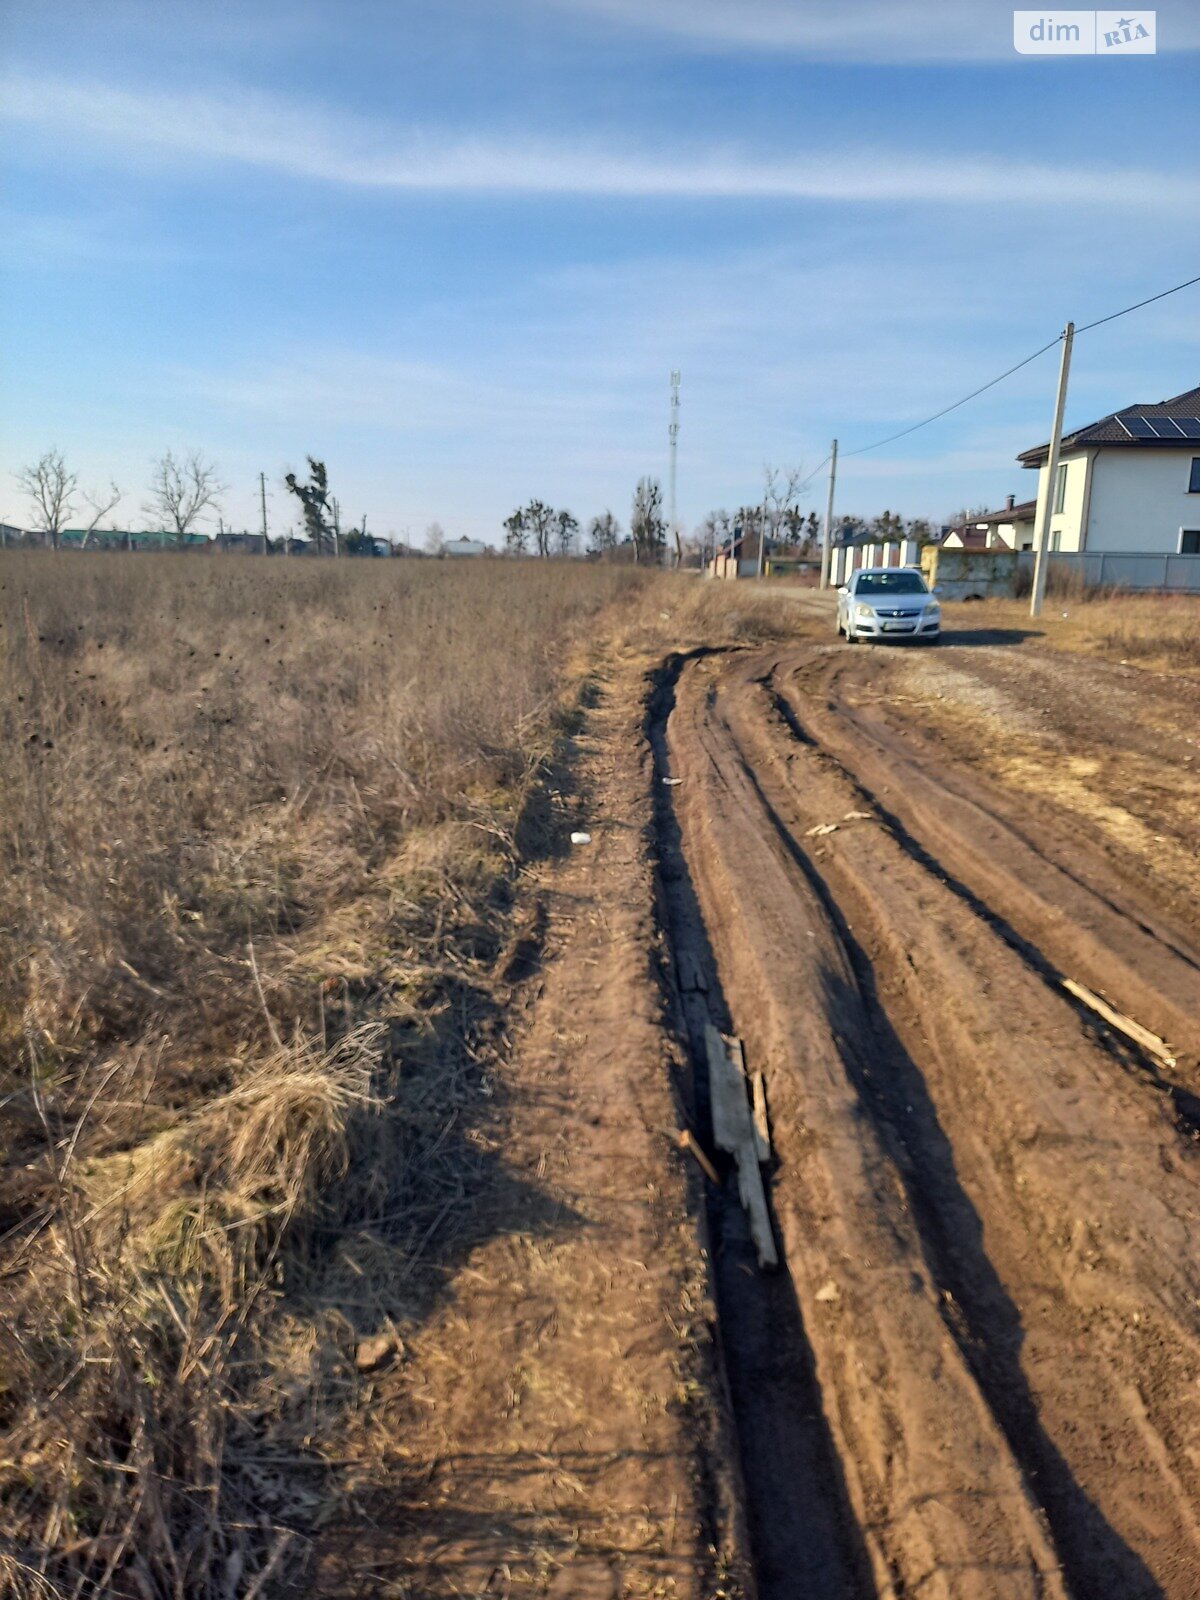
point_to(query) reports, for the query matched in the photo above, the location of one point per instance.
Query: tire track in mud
(922, 1470)
(1105, 969)
(1111, 1359)
(805, 1541)
(1057, 882)
(979, 1313)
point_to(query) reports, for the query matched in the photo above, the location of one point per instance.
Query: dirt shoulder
(550, 1429)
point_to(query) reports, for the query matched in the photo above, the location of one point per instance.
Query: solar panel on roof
(1188, 426)
(1166, 427)
(1137, 427)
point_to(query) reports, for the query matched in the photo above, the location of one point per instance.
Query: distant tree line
(183, 491)
(537, 529)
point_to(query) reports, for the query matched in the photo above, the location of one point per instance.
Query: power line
(991, 384)
(1137, 306)
(813, 473)
(946, 410)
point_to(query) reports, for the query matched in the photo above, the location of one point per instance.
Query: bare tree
(715, 531)
(539, 518)
(604, 533)
(567, 527)
(182, 491)
(780, 491)
(435, 539)
(647, 525)
(51, 488)
(516, 533)
(99, 505)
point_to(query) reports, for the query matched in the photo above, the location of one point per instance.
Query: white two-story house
(1130, 482)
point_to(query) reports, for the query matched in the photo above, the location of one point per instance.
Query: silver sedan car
(888, 603)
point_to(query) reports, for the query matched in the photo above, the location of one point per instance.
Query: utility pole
(337, 524)
(262, 489)
(674, 437)
(762, 541)
(1043, 534)
(827, 547)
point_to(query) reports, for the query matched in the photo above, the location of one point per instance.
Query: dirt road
(976, 1375)
(979, 1373)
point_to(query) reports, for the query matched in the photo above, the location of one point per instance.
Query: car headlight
(864, 613)
(933, 609)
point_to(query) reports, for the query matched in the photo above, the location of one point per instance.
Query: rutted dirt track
(978, 1373)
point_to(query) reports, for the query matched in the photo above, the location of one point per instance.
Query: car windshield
(891, 583)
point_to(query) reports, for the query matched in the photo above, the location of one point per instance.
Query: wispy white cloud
(880, 31)
(77, 238)
(279, 136)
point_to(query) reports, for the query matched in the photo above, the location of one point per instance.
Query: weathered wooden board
(734, 1131)
(1123, 1024)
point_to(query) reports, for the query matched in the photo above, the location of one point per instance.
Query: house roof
(974, 532)
(1024, 512)
(1108, 430)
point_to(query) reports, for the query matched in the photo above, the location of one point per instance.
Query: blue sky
(455, 247)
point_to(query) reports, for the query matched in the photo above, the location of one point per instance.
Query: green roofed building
(126, 539)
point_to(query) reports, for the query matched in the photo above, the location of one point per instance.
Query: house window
(1056, 539)
(1060, 487)
(1189, 542)
(1194, 480)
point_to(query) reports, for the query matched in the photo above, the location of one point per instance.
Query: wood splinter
(689, 1142)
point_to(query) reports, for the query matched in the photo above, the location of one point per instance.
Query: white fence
(848, 558)
(1112, 569)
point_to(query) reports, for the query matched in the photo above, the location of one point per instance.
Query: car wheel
(851, 636)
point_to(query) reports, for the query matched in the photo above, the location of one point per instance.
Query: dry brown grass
(688, 611)
(1160, 631)
(1163, 630)
(258, 822)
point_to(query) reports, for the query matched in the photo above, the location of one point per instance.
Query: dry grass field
(1157, 630)
(258, 824)
(275, 839)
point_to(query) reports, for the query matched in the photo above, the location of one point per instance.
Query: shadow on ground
(988, 636)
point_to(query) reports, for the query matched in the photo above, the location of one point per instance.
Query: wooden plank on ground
(754, 1199)
(1123, 1024)
(733, 1130)
(727, 1095)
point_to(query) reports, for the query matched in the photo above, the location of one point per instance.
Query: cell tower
(674, 435)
